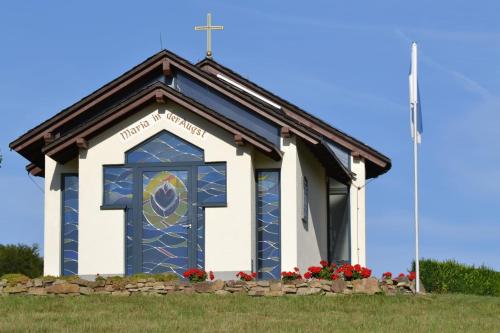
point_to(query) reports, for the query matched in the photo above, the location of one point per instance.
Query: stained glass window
(268, 224)
(305, 200)
(118, 183)
(165, 221)
(212, 184)
(165, 147)
(70, 224)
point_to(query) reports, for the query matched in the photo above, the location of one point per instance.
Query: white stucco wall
(102, 232)
(311, 237)
(230, 231)
(357, 205)
(53, 214)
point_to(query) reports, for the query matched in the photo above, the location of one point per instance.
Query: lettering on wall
(151, 120)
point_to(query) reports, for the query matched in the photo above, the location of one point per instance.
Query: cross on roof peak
(209, 27)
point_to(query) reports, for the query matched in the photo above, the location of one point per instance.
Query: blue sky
(346, 62)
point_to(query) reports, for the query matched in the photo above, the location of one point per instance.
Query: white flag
(415, 95)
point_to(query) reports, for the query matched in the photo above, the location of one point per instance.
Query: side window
(305, 200)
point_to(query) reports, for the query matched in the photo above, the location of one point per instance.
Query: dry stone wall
(151, 286)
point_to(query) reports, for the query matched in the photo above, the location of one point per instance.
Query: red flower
(254, 275)
(323, 263)
(335, 276)
(314, 269)
(357, 268)
(348, 274)
(212, 276)
(412, 276)
(296, 269)
(366, 273)
(401, 275)
(307, 275)
(387, 275)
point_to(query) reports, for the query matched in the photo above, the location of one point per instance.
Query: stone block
(15, 289)
(338, 286)
(263, 283)
(63, 288)
(258, 292)
(217, 285)
(366, 286)
(222, 292)
(301, 285)
(308, 291)
(59, 281)
(38, 283)
(275, 286)
(37, 291)
(86, 290)
(3, 283)
(289, 289)
(315, 283)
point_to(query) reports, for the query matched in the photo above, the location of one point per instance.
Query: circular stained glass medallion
(165, 198)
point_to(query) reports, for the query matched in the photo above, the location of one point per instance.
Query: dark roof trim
(118, 113)
(34, 170)
(87, 102)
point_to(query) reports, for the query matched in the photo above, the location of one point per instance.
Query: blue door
(167, 223)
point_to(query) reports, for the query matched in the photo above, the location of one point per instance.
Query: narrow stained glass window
(212, 184)
(268, 224)
(70, 224)
(165, 147)
(117, 186)
(305, 201)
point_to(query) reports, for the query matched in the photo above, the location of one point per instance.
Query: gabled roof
(358, 148)
(63, 134)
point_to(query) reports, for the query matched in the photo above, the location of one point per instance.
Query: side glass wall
(268, 201)
(69, 246)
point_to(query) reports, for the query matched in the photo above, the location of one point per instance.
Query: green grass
(211, 313)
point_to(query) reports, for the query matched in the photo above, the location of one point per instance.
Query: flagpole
(415, 165)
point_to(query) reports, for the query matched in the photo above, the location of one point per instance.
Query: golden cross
(209, 27)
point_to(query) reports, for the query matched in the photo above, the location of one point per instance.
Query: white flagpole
(414, 107)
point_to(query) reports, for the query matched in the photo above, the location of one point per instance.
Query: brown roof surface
(123, 88)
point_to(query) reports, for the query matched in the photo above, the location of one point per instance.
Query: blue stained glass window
(118, 184)
(200, 245)
(165, 147)
(268, 224)
(70, 224)
(129, 242)
(212, 184)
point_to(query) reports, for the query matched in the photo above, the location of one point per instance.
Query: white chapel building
(175, 165)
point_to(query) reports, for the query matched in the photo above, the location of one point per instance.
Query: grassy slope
(210, 313)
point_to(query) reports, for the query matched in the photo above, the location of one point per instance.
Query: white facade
(230, 232)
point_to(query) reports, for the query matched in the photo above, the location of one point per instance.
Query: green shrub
(14, 278)
(21, 259)
(453, 277)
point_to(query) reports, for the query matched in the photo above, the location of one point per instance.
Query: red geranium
(315, 269)
(212, 276)
(348, 274)
(387, 275)
(246, 277)
(366, 273)
(195, 275)
(401, 275)
(412, 276)
(307, 275)
(291, 276)
(323, 263)
(335, 276)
